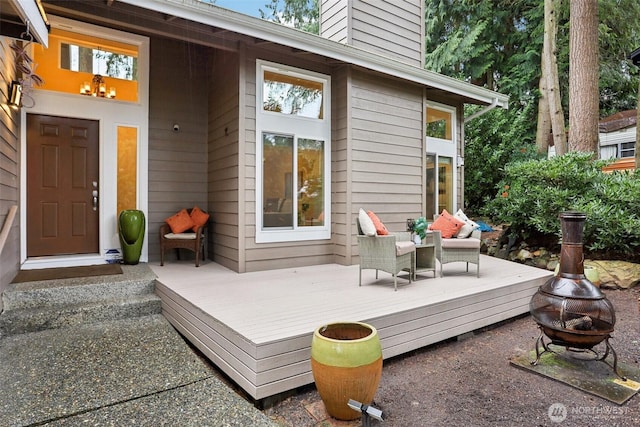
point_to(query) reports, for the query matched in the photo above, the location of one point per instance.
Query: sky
(248, 7)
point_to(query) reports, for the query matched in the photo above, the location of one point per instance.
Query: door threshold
(34, 263)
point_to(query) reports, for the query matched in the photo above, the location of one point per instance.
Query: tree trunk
(544, 116)
(638, 132)
(583, 76)
(551, 73)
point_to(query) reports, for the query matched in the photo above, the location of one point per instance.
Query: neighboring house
(280, 135)
(617, 139)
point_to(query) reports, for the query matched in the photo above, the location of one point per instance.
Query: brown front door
(62, 175)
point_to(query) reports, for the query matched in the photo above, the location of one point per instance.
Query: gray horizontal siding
(340, 168)
(334, 20)
(177, 160)
(386, 149)
(392, 28)
(224, 153)
(9, 169)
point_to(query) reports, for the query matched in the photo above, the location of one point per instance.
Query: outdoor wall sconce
(15, 94)
(97, 88)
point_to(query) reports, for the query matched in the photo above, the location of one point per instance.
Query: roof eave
(32, 14)
(211, 15)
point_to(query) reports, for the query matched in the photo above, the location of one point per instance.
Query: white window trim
(299, 127)
(444, 148)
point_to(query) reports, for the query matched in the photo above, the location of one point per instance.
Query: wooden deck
(257, 327)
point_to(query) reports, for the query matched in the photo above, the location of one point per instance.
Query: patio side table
(425, 257)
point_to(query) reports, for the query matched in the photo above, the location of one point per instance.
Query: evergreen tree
(507, 38)
(300, 14)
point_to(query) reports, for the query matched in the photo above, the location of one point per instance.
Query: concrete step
(26, 320)
(135, 280)
(53, 304)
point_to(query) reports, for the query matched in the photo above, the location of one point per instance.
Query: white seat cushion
(404, 248)
(181, 236)
(468, 243)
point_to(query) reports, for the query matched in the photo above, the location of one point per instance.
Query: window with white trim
(441, 150)
(293, 147)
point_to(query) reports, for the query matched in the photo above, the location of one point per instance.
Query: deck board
(257, 327)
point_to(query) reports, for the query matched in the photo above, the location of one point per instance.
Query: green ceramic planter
(131, 227)
(346, 361)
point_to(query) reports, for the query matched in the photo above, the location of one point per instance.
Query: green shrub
(491, 141)
(535, 192)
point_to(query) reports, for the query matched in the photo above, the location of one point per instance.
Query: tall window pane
(277, 178)
(431, 187)
(445, 184)
(311, 183)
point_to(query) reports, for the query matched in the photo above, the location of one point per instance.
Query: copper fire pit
(570, 310)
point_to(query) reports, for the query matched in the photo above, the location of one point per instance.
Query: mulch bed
(471, 382)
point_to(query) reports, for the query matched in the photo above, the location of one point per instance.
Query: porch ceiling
(206, 24)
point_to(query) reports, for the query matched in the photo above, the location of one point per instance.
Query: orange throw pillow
(180, 222)
(381, 230)
(447, 225)
(199, 217)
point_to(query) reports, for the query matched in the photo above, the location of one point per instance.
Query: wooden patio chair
(193, 241)
(392, 253)
(458, 250)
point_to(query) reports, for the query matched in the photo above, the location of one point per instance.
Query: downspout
(485, 110)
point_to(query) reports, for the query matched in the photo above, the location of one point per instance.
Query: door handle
(94, 193)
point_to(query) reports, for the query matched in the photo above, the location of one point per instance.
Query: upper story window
(84, 64)
(290, 94)
(98, 60)
(439, 123)
(293, 132)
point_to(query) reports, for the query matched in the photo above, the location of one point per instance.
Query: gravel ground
(470, 382)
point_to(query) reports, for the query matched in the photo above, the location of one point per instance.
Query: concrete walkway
(135, 372)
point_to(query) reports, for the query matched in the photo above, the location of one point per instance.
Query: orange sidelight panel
(127, 168)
